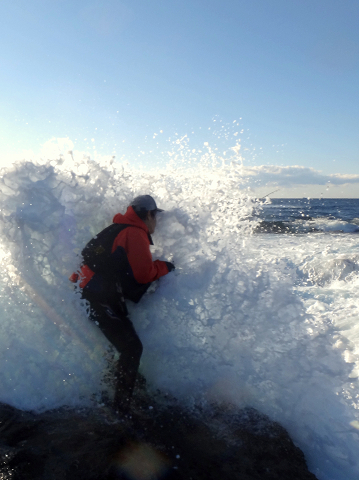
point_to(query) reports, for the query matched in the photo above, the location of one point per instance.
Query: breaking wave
(240, 320)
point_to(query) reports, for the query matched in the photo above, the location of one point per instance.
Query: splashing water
(250, 319)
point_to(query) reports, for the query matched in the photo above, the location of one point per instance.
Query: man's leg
(118, 329)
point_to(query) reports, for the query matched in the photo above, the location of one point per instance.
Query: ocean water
(310, 215)
(262, 309)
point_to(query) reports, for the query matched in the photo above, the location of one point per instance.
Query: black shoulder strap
(97, 251)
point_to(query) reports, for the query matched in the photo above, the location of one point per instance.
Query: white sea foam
(329, 225)
(251, 319)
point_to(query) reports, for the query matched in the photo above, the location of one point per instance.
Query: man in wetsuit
(118, 265)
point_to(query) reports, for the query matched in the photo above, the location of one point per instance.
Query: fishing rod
(264, 196)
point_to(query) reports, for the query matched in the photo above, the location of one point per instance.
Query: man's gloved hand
(170, 266)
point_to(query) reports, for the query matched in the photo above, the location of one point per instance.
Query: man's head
(145, 207)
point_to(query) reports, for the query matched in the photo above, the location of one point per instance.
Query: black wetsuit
(112, 318)
(119, 255)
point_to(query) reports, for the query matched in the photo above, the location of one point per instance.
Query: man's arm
(137, 247)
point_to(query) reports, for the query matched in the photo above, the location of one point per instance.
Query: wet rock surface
(156, 440)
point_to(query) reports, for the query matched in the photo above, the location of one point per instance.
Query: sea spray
(50, 209)
(237, 321)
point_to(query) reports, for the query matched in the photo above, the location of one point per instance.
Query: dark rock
(156, 440)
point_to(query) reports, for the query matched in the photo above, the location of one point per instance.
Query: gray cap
(144, 202)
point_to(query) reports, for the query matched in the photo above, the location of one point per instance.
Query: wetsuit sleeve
(137, 247)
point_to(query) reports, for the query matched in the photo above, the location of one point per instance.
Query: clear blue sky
(122, 70)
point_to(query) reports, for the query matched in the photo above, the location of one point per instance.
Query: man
(118, 265)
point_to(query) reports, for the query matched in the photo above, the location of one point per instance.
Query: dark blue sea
(299, 216)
